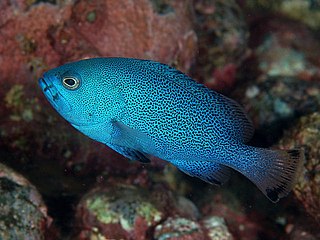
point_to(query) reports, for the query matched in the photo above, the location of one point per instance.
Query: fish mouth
(43, 84)
(53, 96)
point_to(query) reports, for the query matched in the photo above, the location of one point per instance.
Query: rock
(223, 36)
(281, 48)
(280, 80)
(24, 36)
(126, 211)
(158, 30)
(307, 12)
(178, 229)
(276, 59)
(37, 36)
(219, 213)
(306, 133)
(304, 11)
(216, 228)
(298, 233)
(277, 101)
(23, 214)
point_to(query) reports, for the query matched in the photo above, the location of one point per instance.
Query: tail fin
(281, 172)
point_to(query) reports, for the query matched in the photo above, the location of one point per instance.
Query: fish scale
(142, 108)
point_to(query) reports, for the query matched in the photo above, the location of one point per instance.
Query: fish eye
(71, 83)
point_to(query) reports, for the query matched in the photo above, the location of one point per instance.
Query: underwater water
(57, 183)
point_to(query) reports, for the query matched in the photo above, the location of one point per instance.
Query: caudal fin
(281, 172)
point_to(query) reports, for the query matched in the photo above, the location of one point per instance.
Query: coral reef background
(264, 54)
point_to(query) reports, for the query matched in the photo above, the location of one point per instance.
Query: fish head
(72, 90)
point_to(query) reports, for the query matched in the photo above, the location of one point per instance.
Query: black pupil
(70, 81)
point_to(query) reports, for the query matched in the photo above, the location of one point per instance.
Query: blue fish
(142, 108)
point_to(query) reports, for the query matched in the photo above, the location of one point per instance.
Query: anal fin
(210, 172)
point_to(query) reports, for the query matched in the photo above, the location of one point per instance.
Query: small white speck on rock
(252, 91)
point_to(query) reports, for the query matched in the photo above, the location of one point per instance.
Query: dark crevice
(162, 7)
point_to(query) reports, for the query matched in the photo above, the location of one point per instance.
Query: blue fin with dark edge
(131, 153)
(283, 176)
(131, 143)
(275, 171)
(210, 172)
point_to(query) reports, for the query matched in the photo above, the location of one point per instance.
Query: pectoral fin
(131, 143)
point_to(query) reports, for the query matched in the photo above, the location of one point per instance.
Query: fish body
(142, 108)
